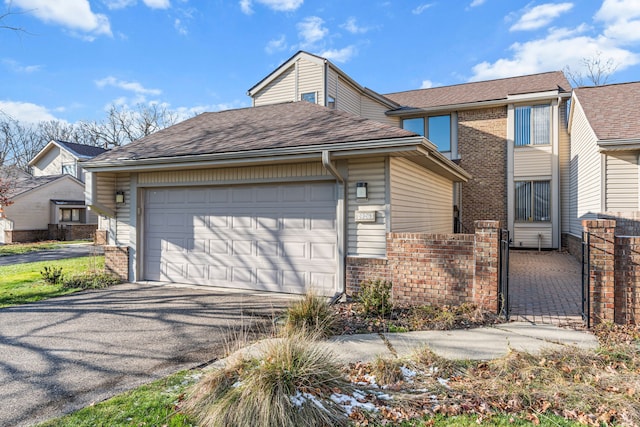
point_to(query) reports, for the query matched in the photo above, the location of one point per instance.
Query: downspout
(341, 221)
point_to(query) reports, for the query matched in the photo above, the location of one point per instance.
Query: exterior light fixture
(361, 191)
(119, 196)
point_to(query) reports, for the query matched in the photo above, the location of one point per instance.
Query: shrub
(387, 371)
(310, 315)
(90, 281)
(52, 275)
(286, 386)
(375, 297)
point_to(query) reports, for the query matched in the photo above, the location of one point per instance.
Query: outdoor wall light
(361, 190)
(119, 196)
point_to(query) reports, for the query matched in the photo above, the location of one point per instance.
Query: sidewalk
(483, 343)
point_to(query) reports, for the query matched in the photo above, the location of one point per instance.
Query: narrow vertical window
(440, 131)
(533, 125)
(414, 125)
(532, 201)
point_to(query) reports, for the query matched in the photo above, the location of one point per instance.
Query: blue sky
(77, 57)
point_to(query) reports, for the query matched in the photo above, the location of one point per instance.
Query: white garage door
(267, 237)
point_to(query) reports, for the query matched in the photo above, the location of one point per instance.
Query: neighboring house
(49, 204)
(605, 145)
(509, 134)
(38, 203)
(275, 197)
(62, 158)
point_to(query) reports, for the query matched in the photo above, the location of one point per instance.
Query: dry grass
(311, 315)
(287, 386)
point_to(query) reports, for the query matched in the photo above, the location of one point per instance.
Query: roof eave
(632, 144)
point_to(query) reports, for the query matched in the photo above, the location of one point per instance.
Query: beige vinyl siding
(532, 161)
(421, 201)
(105, 189)
(310, 79)
(526, 235)
(282, 89)
(564, 153)
(367, 239)
(51, 162)
(622, 182)
(375, 111)
(586, 175)
(348, 98)
(123, 211)
(5, 224)
(332, 82)
(32, 210)
(234, 175)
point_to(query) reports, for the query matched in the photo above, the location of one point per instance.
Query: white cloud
(17, 67)
(276, 45)
(418, 10)
(352, 27)
(476, 3)
(277, 5)
(561, 47)
(157, 4)
(622, 20)
(119, 4)
(73, 14)
(180, 27)
(311, 30)
(26, 112)
(540, 16)
(426, 84)
(339, 55)
(134, 87)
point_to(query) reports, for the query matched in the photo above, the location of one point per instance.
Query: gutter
(341, 221)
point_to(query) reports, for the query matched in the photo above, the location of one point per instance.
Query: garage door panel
(271, 237)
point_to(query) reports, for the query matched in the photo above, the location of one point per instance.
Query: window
(440, 131)
(533, 201)
(533, 125)
(414, 125)
(69, 169)
(331, 102)
(309, 97)
(70, 215)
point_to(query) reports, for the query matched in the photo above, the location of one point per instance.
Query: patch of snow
(407, 373)
(300, 398)
(444, 382)
(349, 403)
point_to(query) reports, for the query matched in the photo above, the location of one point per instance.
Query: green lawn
(22, 283)
(23, 248)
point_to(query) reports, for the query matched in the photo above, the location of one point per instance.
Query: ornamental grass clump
(289, 385)
(89, 281)
(375, 297)
(312, 315)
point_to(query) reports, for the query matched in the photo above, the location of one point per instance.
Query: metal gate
(586, 278)
(503, 292)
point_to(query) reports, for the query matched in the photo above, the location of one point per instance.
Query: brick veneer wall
(24, 236)
(116, 261)
(601, 269)
(482, 145)
(100, 237)
(627, 223)
(436, 268)
(627, 280)
(72, 231)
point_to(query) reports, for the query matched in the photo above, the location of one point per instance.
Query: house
(49, 203)
(605, 145)
(274, 197)
(509, 134)
(62, 157)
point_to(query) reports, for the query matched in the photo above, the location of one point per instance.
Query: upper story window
(309, 97)
(331, 102)
(69, 169)
(533, 125)
(437, 129)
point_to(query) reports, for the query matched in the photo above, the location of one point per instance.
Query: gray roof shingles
(21, 182)
(82, 150)
(490, 90)
(295, 124)
(612, 110)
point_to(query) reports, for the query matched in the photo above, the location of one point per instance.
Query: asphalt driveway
(62, 354)
(65, 251)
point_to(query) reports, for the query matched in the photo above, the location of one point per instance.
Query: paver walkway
(545, 287)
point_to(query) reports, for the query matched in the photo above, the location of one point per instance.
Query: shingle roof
(82, 150)
(489, 90)
(612, 109)
(21, 182)
(295, 124)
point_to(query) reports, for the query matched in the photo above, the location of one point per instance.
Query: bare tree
(3, 18)
(595, 70)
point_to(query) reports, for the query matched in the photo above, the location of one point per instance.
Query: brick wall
(627, 223)
(100, 237)
(24, 236)
(72, 231)
(116, 261)
(601, 269)
(436, 268)
(573, 245)
(627, 280)
(482, 145)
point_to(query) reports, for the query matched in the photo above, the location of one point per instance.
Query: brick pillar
(116, 261)
(487, 252)
(601, 269)
(627, 280)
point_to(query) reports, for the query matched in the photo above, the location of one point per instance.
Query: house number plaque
(365, 216)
